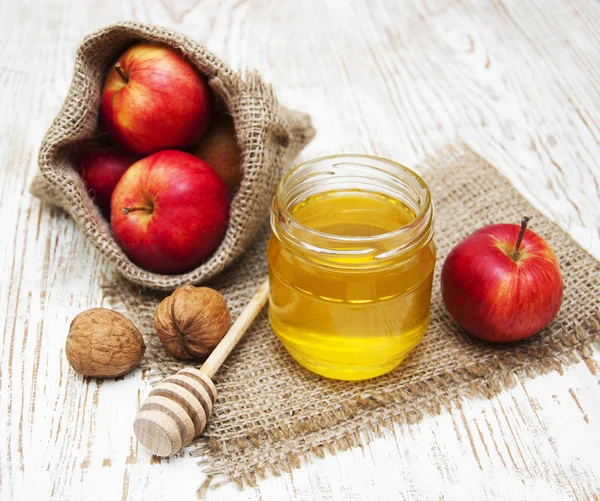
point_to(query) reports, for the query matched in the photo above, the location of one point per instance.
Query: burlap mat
(269, 136)
(271, 414)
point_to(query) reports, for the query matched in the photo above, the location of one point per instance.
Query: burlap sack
(269, 136)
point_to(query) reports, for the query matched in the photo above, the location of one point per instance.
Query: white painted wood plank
(516, 80)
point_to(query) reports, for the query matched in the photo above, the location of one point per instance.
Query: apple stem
(127, 210)
(524, 223)
(121, 73)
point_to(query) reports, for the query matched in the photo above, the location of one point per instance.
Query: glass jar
(351, 260)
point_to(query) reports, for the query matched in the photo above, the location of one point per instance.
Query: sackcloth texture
(271, 414)
(269, 136)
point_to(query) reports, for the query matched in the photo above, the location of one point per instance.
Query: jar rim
(420, 217)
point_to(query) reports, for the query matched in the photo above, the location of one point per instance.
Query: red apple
(219, 148)
(502, 283)
(153, 99)
(101, 171)
(169, 212)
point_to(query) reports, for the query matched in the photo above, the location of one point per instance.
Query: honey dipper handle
(237, 330)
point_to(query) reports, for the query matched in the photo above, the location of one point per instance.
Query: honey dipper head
(175, 412)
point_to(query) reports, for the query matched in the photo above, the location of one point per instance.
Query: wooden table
(518, 80)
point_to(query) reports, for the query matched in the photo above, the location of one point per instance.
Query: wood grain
(519, 81)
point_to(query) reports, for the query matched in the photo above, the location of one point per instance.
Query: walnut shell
(103, 343)
(192, 321)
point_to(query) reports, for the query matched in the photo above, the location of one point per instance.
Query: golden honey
(351, 261)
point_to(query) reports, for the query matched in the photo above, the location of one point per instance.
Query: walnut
(192, 321)
(103, 343)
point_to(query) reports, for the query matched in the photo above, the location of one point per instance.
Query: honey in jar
(351, 261)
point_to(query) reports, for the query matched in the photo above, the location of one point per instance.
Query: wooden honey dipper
(178, 408)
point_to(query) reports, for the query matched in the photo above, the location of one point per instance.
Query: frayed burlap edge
(270, 136)
(481, 380)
